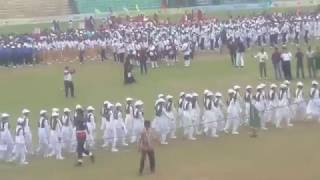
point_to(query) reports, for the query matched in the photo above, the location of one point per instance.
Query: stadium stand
(33, 8)
(91, 6)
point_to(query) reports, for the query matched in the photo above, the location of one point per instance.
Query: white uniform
(55, 138)
(43, 136)
(6, 140)
(121, 130)
(27, 133)
(196, 114)
(210, 118)
(170, 113)
(129, 119)
(314, 104)
(233, 116)
(299, 105)
(91, 124)
(161, 123)
(109, 130)
(20, 148)
(188, 124)
(66, 132)
(138, 124)
(283, 113)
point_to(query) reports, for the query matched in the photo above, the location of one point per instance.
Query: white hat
(259, 86)
(78, 106)
(54, 114)
(138, 103)
(283, 86)
(160, 95)
(110, 105)
(249, 87)
(42, 112)
(55, 110)
(90, 108)
(236, 87)
(262, 85)
(4, 115)
(66, 110)
(206, 91)
(20, 120)
(314, 82)
(195, 95)
(210, 93)
(118, 104)
(169, 97)
(188, 96)
(273, 86)
(299, 84)
(231, 91)
(24, 111)
(106, 102)
(182, 94)
(286, 82)
(218, 94)
(129, 99)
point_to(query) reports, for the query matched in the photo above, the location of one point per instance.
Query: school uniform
(67, 132)
(43, 136)
(55, 138)
(6, 140)
(160, 122)
(20, 148)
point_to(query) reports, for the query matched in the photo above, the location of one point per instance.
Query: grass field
(277, 154)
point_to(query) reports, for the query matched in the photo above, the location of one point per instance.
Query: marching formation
(211, 115)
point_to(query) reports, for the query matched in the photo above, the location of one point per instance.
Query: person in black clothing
(128, 76)
(142, 55)
(299, 56)
(232, 52)
(81, 133)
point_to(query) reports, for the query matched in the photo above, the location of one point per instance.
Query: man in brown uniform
(146, 148)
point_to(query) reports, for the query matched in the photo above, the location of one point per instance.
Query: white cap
(160, 96)
(206, 91)
(66, 110)
(118, 104)
(182, 94)
(129, 99)
(262, 85)
(273, 86)
(231, 91)
(110, 105)
(248, 87)
(210, 93)
(218, 94)
(78, 106)
(106, 102)
(90, 108)
(286, 82)
(283, 86)
(299, 84)
(138, 103)
(188, 96)
(42, 112)
(236, 87)
(195, 95)
(4, 115)
(24, 111)
(259, 86)
(55, 110)
(54, 114)
(169, 97)
(314, 82)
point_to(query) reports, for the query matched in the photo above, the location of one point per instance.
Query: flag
(137, 8)
(254, 119)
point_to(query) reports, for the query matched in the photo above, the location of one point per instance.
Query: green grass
(277, 154)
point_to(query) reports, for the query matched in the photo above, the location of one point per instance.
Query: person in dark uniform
(80, 124)
(300, 68)
(142, 54)
(146, 147)
(128, 76)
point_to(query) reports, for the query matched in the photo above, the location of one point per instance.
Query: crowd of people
(211, 115)
(154, 41)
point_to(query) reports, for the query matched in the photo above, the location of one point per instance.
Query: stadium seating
(33, 8)
(91, 6)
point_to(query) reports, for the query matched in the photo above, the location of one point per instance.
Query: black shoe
(92, 158)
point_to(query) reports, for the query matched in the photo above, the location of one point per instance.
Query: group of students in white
(56, 133)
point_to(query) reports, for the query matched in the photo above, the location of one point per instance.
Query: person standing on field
(262, 56)
(286, 63)
(68, 83)
(300, 56)
(277, 64)
(146, 148)
(311, 63)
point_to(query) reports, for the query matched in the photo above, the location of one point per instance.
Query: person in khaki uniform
(146, 148)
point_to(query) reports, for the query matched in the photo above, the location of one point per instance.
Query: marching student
(43, 134)
(129, 116)
(67, 130)
(186, 52)
(299, 103)
(247, 99)
(260, 104)
(196, 113)
(283, 108)
(160, 122)
(138, 120)
(233, 115)
(170, 113)
(109, 129)
(209, 116)
(6, 140)
(181, 103)
(313, 104)
(121, 130)
(80, 124)
(55, 136)
(220, 108)
(20, 148)
(255, 119)
(91, 124)
(272, 104)
(24, 119)
(187, 123)
(239, 101)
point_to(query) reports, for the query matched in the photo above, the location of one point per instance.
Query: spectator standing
(311, 63)
(68, 83)
(286, 57)
(277, 64)
(300, 56)
(262, 56)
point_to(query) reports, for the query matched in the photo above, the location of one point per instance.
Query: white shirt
(67, 75)
(262, 56)
(286, 56)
